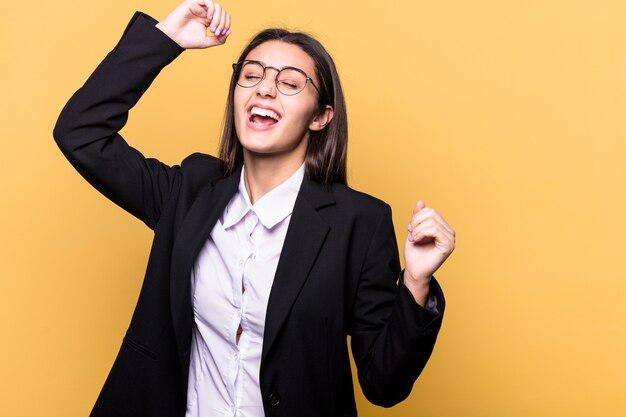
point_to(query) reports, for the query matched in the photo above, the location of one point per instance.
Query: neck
(262, 175)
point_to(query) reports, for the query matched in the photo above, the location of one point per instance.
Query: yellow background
(508, 117)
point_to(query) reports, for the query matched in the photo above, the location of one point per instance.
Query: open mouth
(263, 117)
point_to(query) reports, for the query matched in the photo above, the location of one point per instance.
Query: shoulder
(358, 201)
(203, 164)
(361, 221)
(198, 169)
(342, 205)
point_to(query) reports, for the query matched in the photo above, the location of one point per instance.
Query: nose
(267, 86)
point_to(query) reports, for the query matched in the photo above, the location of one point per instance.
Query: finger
(220, 37)
(422, 215)
(210, 9)
(428, 212)
(418, 219)
(425, 228)
(432, 231)
(437, 242)
(420, 230)
(440, 222)
(225, 32)
(227, 26)
(198, 9)
(441, 237)
(209, 5)
(220, 27)
(217, 15)
(419, 206)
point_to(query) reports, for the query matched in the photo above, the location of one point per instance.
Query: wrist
(417, 279)
(418, 286)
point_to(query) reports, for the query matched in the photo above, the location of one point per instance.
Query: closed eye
(289, 85)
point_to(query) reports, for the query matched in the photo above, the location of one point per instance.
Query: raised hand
(430, 240)
(188, 23)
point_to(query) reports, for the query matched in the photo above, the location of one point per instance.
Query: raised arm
(87, 129)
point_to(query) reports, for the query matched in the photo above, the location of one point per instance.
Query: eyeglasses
(289, 80)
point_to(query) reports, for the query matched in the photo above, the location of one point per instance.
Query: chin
(255, 145)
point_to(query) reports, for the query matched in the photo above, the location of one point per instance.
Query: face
(270, 124)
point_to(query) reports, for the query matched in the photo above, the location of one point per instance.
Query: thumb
(210, 41)
(419, 206)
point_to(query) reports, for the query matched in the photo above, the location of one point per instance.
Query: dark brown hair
(325, 160)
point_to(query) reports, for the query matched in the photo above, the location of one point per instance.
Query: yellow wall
(509, 117)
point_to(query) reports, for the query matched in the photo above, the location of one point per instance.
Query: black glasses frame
(237, 69)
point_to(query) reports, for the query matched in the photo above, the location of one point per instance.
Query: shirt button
(274, 399)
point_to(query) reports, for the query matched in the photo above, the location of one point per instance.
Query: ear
(322, 119)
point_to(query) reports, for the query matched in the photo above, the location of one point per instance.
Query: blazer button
(274, 399)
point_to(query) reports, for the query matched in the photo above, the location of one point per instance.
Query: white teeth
(265, 112)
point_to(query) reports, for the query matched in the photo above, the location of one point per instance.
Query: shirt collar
(271, 209)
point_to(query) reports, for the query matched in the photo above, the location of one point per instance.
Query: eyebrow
(278, 68)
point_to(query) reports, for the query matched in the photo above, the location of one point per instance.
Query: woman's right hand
(188, 23)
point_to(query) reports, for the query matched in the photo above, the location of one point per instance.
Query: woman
(263, 261)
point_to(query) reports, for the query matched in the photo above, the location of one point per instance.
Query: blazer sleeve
(87, 129)
(392, 336)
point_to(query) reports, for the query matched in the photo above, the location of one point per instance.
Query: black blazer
(337, 274)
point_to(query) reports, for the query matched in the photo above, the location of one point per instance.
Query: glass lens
(291, 81)
(250, 75)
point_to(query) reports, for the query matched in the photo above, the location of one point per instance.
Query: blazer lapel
(305, 237)
(193, 233)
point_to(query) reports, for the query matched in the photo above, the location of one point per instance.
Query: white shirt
(230, 284)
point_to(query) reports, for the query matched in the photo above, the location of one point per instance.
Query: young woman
(263, 260)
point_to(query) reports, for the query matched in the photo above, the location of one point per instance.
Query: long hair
(325, 159)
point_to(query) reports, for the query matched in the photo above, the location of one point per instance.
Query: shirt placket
(247, 253)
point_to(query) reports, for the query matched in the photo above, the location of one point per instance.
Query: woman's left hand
(430, 240)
